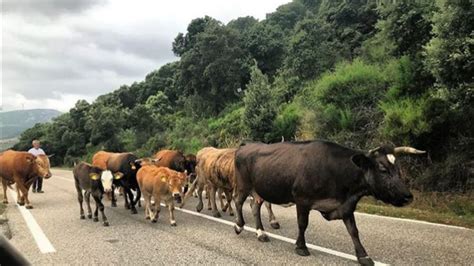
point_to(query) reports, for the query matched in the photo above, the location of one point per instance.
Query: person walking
(36, 150)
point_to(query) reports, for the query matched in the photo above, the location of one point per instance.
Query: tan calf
(161, 183)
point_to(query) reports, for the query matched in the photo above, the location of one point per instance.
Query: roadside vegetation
(360, 73)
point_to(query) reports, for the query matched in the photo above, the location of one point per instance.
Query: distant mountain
(12, 123)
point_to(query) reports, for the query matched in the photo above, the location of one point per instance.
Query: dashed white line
(41, 240)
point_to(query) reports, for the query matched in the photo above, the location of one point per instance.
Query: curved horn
(407, 150)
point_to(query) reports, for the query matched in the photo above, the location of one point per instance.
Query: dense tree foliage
(360, 73)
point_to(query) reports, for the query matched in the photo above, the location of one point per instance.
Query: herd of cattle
(313, 175)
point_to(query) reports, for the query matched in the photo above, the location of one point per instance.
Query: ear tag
(94, 176)
(117, 176)
(163, 179)
(391, 158)
(134, 167)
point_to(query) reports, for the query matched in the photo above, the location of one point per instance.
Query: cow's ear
(118, 175)
(94, 176)
(362, 161)
(30, 160)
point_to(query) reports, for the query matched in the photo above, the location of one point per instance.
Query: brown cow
(22, 168)
(216, 170)
(100, 159)
(161, 183)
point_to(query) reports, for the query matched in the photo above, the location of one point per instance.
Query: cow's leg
(99, 205)
(212, 198)
(5, 186)
(87, 194)
(261, 236)
(171, 210)
(221, 191)
(80, 199)
(147, 200)
(302, 212)
(190, 192)
(128, 192)
(228, 197)
(361, 254)
(239, 199)
(138, 197)
(96, 212)
(24, 197)
(200, 204)
(208, 196)
(271, 216)
(113, 200)
(156, 214)
(126, 197)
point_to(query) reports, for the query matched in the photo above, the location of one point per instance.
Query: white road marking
(279, 237)
(412, 221)
(42, 241)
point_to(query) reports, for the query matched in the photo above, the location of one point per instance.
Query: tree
(211, 72)
(260, 108)
(183, 43)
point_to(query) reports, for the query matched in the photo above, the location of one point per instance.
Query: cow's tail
(189, 192)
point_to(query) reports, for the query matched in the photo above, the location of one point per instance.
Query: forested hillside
(360, 73)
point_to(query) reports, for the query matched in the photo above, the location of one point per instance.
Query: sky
(55, 52)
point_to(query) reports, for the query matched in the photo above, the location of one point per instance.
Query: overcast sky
(55, 52)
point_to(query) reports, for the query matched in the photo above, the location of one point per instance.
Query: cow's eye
(383, 169)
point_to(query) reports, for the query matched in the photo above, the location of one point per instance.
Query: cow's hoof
(21, 203)
(114, 204)
(173, 224)
(216, 214)
(89, 216)
(231, 214)
(199, 207)
(83, 217)
(127, 206)
(262, 237)
(302, 251)
(29, 206)
(96, 219)
(154, 220)
(275, 225)
(5, 202)
(147, 217)
(209, 208)
(134, 211)
(106, 223)
(238, 229)
(365, 261)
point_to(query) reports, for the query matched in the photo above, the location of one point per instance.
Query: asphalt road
(130, 239)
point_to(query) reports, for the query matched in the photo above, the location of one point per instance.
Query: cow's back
(120, 162)
(100, 159)
(304, 167)
(81, 175)
(172, 159)
(16, 163)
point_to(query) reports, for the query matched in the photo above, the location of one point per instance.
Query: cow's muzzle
(48, 175)
(177, 197)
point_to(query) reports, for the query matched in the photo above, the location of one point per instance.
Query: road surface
(61, 237)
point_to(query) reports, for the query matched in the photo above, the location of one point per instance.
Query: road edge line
(39, 236)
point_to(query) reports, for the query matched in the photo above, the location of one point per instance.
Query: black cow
(94, 182)
(124, 166)
(318, 175)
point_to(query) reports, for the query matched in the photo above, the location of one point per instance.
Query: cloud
(59, 51)
(48, 7)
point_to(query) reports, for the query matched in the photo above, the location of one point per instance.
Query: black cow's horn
(407, 150)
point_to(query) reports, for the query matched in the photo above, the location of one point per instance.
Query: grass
(437, 207)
